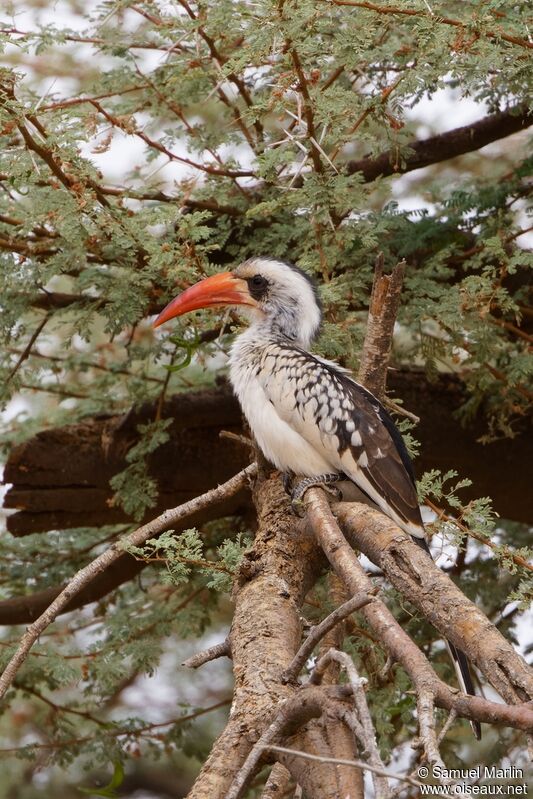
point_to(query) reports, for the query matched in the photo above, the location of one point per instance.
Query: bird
(309, 416)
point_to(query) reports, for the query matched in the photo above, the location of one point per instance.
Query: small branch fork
(317, 633)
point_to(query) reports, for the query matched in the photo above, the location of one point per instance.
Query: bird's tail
(464, 678)
(459, 659)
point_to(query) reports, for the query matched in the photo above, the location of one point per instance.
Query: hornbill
(309, 416)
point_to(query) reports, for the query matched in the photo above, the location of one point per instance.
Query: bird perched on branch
(309, 416)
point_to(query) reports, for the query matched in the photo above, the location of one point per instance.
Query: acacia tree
(281, 129)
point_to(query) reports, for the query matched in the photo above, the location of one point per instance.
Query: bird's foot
(324, 481)
(286, 479)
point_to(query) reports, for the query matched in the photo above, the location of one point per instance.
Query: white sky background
(156, 696)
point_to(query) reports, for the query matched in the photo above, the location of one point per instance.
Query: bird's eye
(257, 286)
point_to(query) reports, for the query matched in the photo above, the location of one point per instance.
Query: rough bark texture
(265, 634)
(416, 576)
(384, 304)
(275, 577)
(61, 476)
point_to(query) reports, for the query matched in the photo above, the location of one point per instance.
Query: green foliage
(133, 160)
(185, 552)
(134, 489)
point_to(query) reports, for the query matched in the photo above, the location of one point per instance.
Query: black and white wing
(348, 426)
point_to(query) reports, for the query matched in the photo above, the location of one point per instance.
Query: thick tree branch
(412, 571)
(443, 146)
(275, 576)
(396, 642)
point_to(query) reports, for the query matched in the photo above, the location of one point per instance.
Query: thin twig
(219, 650)
(518, 560)
(84, 576)
(65, 743)
(26, 352)
(340, 762)
(320, 630)
(400, 410)
(244, 440)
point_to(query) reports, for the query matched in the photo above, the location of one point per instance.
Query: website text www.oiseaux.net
(466, 782)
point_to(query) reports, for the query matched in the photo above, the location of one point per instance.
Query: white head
(286, 299)
(274, 294)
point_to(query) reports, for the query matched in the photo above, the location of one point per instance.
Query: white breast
(279, 442)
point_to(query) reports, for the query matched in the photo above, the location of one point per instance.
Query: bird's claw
(286, 479)
(298, 508)
(324, 481)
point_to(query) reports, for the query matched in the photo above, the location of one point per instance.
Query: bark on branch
(412, 572)
(398, 644)
(275, 577)
(444, 146)
(382, 312)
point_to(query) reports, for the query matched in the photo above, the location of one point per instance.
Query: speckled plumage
(310, 417)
